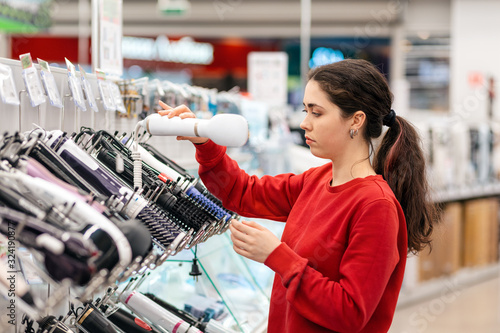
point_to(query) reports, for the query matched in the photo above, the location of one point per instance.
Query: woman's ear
(358, 119)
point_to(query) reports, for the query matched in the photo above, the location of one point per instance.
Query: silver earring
(353, 133)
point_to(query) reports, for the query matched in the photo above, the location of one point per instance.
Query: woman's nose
(304, 124)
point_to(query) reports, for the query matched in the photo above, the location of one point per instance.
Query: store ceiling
(240, 18)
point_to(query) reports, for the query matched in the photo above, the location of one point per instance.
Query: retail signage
(324, 55)
(174, 7)
(184, 50)
(268, 76)
(108, 35)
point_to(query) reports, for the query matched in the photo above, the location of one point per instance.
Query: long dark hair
(354, 85)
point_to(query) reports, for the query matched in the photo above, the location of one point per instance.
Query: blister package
(87, 89)
(8, 92)
(105, 91)
(50, 85)
(32, 80)
(117, 97)
(75, 87)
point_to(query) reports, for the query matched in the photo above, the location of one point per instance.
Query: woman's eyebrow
(311, 105)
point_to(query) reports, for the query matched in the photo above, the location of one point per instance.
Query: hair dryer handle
(224, 129)
(162, 125)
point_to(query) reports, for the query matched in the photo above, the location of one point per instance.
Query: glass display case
(230, 289)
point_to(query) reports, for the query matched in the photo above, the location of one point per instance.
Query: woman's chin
(316, 153)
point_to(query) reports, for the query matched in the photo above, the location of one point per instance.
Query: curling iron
(129, 323)
(212, 326)
(164, 318)
(93, 321)
(161, 318)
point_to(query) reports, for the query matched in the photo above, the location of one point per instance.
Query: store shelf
(467, 193)
(446, 285)
(225, 277)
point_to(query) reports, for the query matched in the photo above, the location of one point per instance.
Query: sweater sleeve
(267, 197)
(366, 267)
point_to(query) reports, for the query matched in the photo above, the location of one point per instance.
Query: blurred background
(250, 57)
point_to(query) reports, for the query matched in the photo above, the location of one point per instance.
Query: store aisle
(474, 309)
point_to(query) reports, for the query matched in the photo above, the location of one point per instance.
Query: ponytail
(400, 160)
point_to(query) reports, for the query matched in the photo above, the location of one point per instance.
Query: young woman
(350, 223)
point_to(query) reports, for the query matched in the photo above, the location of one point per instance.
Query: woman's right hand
(182, 112)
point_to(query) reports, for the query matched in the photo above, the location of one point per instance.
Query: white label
(76, 92)
(117, 97)
(8, 92)
(106, 97)
(90, 94)
(51, 88)
(267, 77)
(33, 86)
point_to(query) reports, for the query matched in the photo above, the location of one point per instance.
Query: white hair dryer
(229, 130)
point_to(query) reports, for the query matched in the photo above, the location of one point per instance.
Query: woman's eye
(316, 114)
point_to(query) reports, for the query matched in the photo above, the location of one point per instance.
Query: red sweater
(341, 262)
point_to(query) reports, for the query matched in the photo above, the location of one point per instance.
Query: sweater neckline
(351, 183)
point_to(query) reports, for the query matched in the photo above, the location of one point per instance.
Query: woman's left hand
(252, 240)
